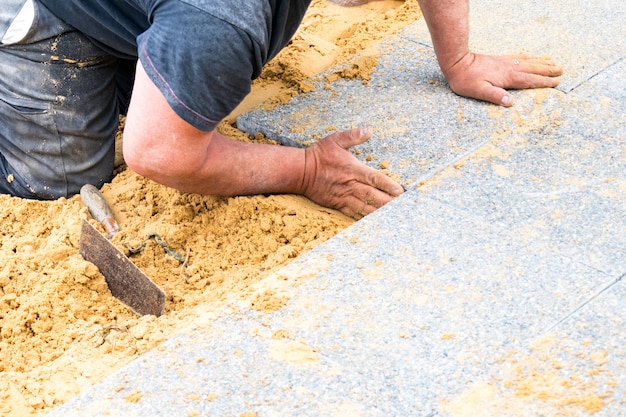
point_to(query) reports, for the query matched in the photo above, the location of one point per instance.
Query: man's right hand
(335, 178)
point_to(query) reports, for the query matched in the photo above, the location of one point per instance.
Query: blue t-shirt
(201, 54)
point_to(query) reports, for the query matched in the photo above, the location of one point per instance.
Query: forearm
(232, 167)
(161, 146)
(218, 165)
(448, 24)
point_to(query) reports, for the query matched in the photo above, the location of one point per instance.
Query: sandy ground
(61, 331)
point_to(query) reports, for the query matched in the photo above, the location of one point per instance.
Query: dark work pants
(60, 100)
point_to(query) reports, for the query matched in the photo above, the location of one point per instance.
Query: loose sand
(61, 331)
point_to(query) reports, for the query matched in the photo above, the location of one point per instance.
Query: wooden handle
(99, 209)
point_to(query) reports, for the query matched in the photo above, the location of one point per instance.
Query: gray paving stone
(577, 369)
(606, 89)
(558, 180)
(417, 302)
(421, 126)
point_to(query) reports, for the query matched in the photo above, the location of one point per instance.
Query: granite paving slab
(576, 369)
(421, 126)
(557, 175)
(409, 307)
(606, 89)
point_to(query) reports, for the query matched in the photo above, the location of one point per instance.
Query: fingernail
(506, 100)
(367, 131)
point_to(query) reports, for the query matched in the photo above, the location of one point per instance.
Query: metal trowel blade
(125, 280)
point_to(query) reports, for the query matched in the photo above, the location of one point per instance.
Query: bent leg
(58, 113)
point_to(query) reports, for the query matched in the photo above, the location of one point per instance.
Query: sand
(61, 330)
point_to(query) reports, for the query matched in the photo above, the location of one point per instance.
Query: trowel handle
(99, 209)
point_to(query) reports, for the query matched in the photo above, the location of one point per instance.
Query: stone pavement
(493, 287)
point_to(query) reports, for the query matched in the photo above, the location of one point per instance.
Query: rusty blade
(126, 282)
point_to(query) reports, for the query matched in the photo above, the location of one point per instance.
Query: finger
(370, 176)
(354, 207)
(523, 57)
(539, 68)
(520, 56)
(522, 80)
(364, 200)
(349, 138)
(536, 65)
(492, 94)
(382, 184)
(358, 209)
(371, 196)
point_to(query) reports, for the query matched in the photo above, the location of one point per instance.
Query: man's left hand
(486, 77)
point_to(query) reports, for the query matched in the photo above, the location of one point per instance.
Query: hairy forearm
(239, 168)
(225, 167)
(448, 24)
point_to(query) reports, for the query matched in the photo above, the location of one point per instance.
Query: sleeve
(203, 65)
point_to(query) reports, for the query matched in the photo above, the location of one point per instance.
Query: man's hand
(482, 77)
(333, 177)
(486, 77)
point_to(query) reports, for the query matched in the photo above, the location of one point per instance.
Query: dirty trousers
(60, 101)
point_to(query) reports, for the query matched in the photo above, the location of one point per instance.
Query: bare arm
(480, 76)
(448, 24)
(163, 147)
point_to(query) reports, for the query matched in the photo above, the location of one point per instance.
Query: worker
(176, 68)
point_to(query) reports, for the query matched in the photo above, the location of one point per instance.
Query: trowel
(125, 280)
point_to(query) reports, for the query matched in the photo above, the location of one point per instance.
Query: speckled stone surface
(382, 329)
(493, 287)
(606, 89)
(559, 180)
(578, 369)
